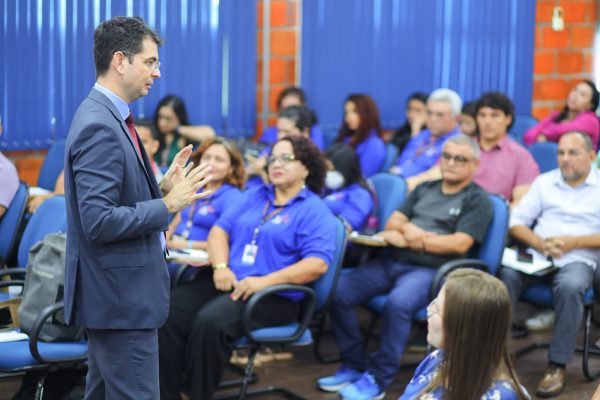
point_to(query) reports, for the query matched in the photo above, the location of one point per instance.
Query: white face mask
(334, 180)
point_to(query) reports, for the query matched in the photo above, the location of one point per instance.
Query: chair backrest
(521, 125)
(494, 242)
(50, 217)
(11, 221)
(325, 286)
(53, 164)
(391, 193)
(545, 155)
(391, 153)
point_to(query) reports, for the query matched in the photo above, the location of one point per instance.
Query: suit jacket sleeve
(98, 159)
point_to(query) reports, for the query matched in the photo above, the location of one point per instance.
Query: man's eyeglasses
(433, 308)
(283, 159)
(151, 63)
(461, 160)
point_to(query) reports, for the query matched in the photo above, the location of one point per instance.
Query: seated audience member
(171, 120)
(294, 96)
(505, 167)
(347, 194)
(9, 181)
(424, 150)
(468, 122)
(36, 200)
(468, 324)
(291, 121)
(361, 129)
(416, 120)
(189, 229)
(151, 140)
(439, 222)
(278, 233)
(579, 114)
(563, 205)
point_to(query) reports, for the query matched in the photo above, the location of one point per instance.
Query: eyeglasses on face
(283, 159)
(433, 308)
(152, 63)
(458, 159)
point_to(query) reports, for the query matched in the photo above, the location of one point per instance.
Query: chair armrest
(308, 311)
(446, 268)
(13, 271)
(14, 282)
(35, 332)
(179, 275)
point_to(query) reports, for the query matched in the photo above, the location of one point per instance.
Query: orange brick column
(282, 55)
(562, 58)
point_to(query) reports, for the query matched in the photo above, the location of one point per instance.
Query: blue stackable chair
(487, 258)
(11, 222)
(391, 192)
(391, 154)
(545, 155)
(16, 358)
(317, 298)
(53, 164)
(521, 125)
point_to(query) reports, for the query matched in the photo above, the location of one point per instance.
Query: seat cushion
(14, 355)
(277, 332)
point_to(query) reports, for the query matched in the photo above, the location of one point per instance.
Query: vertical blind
(390, 48)
(47, 66)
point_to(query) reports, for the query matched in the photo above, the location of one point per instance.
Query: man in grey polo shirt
(563, 204)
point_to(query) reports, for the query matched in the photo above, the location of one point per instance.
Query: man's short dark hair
(146, 123)
(497, 101)
(302, 116)
(124, 34)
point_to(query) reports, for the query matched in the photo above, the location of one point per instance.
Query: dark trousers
(122, 364)
(194, 343)
(408, 289)
(569, 285)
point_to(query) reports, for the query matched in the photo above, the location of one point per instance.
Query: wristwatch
(220, 265)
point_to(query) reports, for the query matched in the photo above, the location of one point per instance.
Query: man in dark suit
(116, 279)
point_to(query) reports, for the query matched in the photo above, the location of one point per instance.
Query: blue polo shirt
(354, 203)
(207, 211)
(316, 135)
(421, 153)
(303, 228)
(371, 154)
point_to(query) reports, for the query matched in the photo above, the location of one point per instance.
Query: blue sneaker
(342, 378)
(365, 388)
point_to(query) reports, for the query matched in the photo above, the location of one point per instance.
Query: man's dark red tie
(131, 126)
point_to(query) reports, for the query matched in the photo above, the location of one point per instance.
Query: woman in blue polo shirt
(347, 195)
(278, 233)
(468, 323)
(361, 129)
(189, 229)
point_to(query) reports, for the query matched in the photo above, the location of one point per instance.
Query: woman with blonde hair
(469, 324)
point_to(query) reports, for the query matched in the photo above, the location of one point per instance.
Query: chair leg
(586, 347)
(248, 373)
(39, 390)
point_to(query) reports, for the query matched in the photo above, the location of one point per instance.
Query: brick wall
(562, 58)
(284, 30)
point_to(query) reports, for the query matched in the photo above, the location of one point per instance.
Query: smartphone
(524, 256)
(5, 317)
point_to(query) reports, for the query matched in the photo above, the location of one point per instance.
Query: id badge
(249, 256)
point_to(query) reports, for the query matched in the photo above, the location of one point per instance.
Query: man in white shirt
(563, 204)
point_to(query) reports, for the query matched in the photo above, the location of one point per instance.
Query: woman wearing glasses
(278, 233)
(469, 325)
(171, 119)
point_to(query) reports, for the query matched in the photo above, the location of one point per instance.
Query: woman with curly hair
(469, 324)
(278, 233)
(361, 129)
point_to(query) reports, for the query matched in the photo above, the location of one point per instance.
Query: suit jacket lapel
(102, 99)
